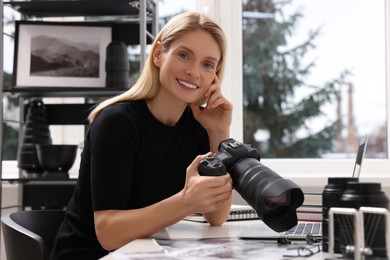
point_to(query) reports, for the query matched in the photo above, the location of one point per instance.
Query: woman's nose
(193, 71)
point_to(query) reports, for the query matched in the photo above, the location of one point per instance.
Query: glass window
(314, 77)
(10, 102)
(168, 8)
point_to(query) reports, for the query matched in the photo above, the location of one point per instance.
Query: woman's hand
(207, 194)
(216, 117)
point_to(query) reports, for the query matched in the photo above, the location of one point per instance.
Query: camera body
(275, 199)
(230, 151)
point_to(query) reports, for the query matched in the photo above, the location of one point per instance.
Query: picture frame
(60, 54)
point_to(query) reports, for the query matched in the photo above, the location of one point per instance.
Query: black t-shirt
(130, 160)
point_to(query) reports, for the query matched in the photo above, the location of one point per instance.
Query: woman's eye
(209, 65)
(183, 55)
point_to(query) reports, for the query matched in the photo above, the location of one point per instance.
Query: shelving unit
(133, 22)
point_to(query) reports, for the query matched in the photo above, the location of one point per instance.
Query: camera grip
(211, 166)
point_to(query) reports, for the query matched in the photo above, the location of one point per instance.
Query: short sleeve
(113, 137)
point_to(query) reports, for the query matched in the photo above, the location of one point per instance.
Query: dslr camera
(275, 199)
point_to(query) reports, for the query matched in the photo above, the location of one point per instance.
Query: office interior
(311, 174)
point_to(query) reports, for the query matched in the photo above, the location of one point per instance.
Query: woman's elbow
(216, 221)
(105, 241)
(109, 242)
(105, 235)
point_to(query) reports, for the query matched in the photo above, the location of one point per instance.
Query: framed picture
(52, 54)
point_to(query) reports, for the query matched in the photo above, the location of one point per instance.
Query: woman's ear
(157, 53)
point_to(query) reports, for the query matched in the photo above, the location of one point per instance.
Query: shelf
(130, 21)
(65, 92)
(56, 8)
(71, 114)
(40, 180)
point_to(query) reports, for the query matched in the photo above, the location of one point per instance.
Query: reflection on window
(314, 83)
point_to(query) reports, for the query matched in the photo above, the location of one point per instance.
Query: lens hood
(258, 185)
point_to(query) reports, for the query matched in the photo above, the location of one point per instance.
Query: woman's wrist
(215, 138)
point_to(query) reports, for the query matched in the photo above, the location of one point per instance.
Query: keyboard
(302, 231)
(304, 228)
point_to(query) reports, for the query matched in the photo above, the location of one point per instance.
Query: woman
(138, 171)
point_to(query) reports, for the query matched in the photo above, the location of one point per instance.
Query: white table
(194, 239)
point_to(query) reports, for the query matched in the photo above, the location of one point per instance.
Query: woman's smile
(187, 85)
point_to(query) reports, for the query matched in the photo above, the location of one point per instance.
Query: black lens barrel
(256, 183)
(331, 197)
(365, 194)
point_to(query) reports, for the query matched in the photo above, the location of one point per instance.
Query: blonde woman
(139, 168)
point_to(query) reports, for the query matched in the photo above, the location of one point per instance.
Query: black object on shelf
(36, 131)
(64, 91)
(56, 159)
(117, 65)
(47, 194)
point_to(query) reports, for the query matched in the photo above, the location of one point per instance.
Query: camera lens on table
(331, 198)
(365, 194)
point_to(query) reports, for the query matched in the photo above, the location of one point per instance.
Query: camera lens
(275, 199)
(356, 195)
(117, 65)
(331, 198)
(275, 202)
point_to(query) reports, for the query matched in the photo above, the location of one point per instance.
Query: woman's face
(188, 68)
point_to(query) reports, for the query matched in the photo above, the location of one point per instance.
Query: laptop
(359, 157)
(304, 229)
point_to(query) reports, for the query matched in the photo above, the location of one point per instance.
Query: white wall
(10, 198)
(229, 17)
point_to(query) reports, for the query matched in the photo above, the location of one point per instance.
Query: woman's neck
(167, 110)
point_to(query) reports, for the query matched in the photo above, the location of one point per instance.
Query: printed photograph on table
(228, 248)
(55, 54)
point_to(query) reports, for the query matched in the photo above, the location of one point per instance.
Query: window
(311, 173)
(352, 39)
(10, 103)
(314, 83)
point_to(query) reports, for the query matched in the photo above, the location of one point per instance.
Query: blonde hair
(147, 84)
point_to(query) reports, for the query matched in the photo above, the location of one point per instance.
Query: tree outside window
(288, 111)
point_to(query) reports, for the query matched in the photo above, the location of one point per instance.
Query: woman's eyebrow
(190, 51)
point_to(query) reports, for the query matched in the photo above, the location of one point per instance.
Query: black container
(331, 198)
(117, 66)
(359, 194)
(56, 159)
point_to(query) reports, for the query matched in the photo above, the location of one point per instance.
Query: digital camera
(275, 199)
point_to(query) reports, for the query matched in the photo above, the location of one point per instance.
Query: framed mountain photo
(60, 54)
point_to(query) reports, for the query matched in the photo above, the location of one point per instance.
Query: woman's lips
(187, 85)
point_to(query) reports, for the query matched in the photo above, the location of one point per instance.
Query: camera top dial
(211, 166)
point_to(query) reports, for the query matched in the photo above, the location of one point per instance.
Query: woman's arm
(115, 228)
(205, 194)
(216, 118)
